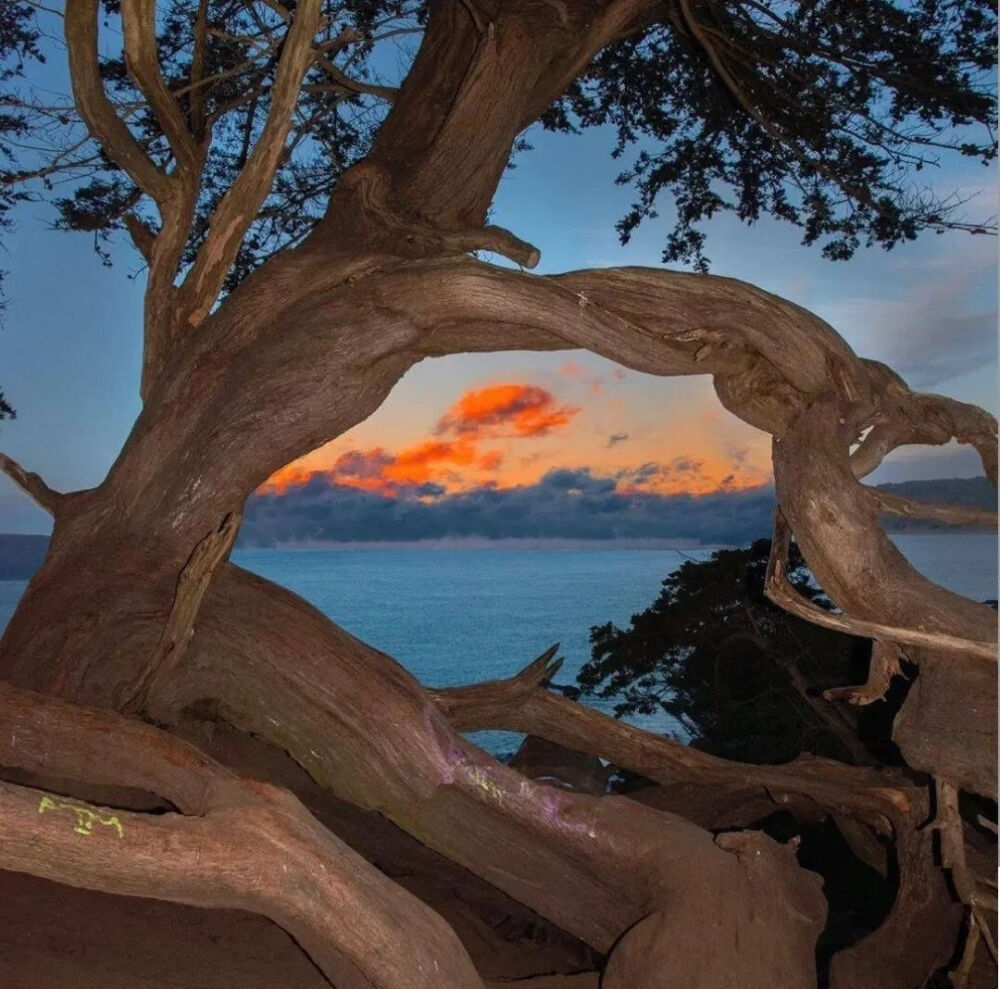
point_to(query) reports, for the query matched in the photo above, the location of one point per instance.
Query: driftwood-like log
(236, 843)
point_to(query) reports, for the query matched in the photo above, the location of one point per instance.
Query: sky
(70, 353)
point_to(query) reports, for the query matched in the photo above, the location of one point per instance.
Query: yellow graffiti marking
(483, 781)
(85, 817)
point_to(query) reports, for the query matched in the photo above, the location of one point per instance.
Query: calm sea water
(459, 616)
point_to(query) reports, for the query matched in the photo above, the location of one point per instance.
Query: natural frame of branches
(309, 231)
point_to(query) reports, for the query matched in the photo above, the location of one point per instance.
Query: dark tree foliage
(817, 113)
(820, 113)
(19, 44)
(715, 654)
(223, 77)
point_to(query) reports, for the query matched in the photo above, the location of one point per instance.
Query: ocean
(454, 616)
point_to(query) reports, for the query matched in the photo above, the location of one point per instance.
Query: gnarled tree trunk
(136, 607)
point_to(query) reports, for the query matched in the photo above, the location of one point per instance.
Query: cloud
(415, 471)
(615, 438)
(691, 475)
(566, 503)
(452, 457)
(506, 410)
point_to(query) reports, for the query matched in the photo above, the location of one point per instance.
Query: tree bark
(308, 346)
(236, 843)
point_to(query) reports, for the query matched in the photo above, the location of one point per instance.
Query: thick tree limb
(32, 484)
(139, 30)
(881, 440)
(97, 110)
(521, 704)
(778, 590)
(237, 844)
(196, 99)
(883, 801)
(572, 858)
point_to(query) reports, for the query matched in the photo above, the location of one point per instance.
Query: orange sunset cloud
(498, 411)
(481, 440)
(506, 410)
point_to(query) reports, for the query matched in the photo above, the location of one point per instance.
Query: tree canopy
(823, 114)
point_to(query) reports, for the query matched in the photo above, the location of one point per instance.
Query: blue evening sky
(70, 340)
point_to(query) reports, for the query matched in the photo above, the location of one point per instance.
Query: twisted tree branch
(236, 843)
(780, 591)
(521, 703)
(948, 514)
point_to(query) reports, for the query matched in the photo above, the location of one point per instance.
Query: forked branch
(97, 110)
(521, 703)
(139, 29)
(240, 205)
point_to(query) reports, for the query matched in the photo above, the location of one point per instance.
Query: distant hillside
(21, 556)
(974, 492)
(564, 505)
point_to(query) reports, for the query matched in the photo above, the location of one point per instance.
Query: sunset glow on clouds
(511, 434)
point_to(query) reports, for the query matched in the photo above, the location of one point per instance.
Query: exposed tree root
(235, 843)
(594, 866)
(924, 918)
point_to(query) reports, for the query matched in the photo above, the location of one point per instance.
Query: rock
(549, 763)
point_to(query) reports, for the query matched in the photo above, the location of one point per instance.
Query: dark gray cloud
(564, 504)
(615, 438)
